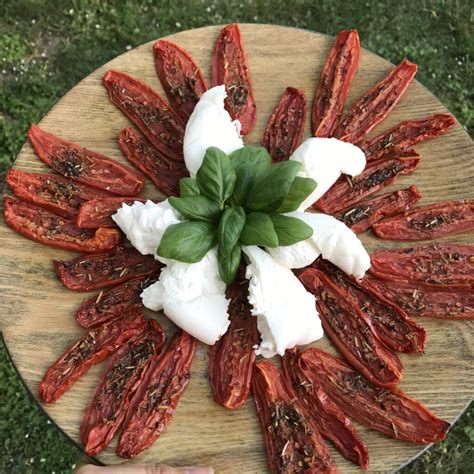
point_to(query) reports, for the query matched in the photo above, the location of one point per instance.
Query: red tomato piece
(157, 396)
(286, 125)
(148, 111)
(106, 411)
(181, 78)
(91, 349)
(163, 172)
(42, 226)
(389, 411)
(230, 68)
(333, 86)
(85, 166)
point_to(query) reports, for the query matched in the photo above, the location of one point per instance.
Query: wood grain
(36, 311)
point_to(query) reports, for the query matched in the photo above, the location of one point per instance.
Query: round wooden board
(36, 311)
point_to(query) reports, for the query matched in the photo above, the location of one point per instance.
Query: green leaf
(216, 177)
(271, 187)
(259, 230)
(290, 230)
(229, 264)
(188, 187)
(196, 208)
(187, 242)
(248, 163)
(230, 227)
(300, 189)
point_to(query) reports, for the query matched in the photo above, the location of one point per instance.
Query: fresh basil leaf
(259, 230)
(188, 187)
(248, 163)
(229, 264)
(196, 208)
(230, 227)
(187, 242)
(216, 177)
(300, 189)
(271, 187)
(290, 230)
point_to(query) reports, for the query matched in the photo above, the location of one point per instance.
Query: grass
(48, 46)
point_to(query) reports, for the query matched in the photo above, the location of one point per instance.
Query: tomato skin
(429, 222)
(112, 304)
(230, 68)
(181, 78)
(329, 418)
(157, 396)
(91, 349)
(389, 322)
(106, 411)
(148, 111)
(52, 192)
(232, 356)
(370, 109)
(389, 411)
(352, 332)
(348, 191)
(162, 171)
(86, 273)
(83, 165)
(286, 125)
(292, 440)
(333, 86)
(407, 134)
(98, 212)
(365, 214)
(42, 226)
(437, 266)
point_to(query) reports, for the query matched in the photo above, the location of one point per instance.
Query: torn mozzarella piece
(286, 312)
(324, 160)
(332, 239)
(210, 125)
(192, 295)
(145, 223)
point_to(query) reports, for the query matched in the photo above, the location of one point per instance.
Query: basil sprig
(236, 200)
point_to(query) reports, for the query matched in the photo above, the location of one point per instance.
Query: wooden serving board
(36, 311)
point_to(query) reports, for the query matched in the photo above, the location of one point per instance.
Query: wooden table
(36, 311)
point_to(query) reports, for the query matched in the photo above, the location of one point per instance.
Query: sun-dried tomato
(181, 78)
(348, 191)
(392, 325)
(429, 222)
(52, 192)
(91, 349)
(388, 411)
(365, 214)
(98, 212)
(230, 68)
(292, 440)
(163, 172)
(106, 411)
(233, 356)
(85, 166)
(352, 333)
(92, 272)
(329, 418)
(286, 125)
(407, 134)
(370, 109)
(333, 86)
(157, 396)
(437, 266)
(148, 111)
(47, 228)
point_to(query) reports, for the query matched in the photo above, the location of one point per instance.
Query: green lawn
(48, 46)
